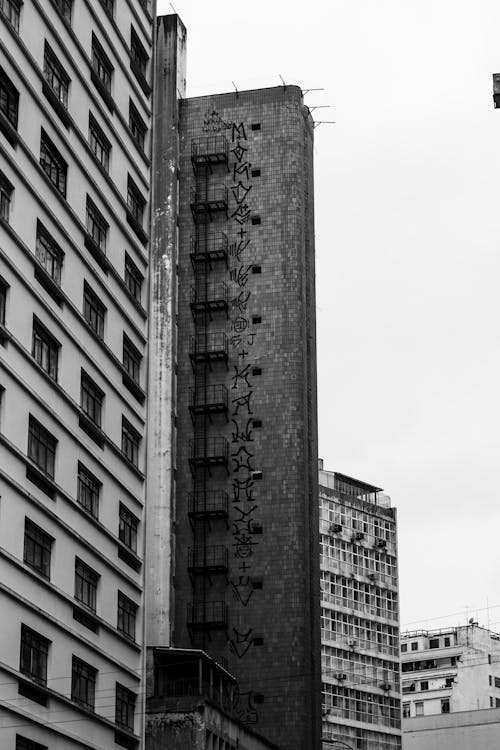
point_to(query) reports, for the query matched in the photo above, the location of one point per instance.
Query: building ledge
(8, 130)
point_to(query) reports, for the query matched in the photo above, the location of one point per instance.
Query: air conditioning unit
(371, 576)
(335, 528)
(381, 543)
(385, 685)
(340, 676)
(358, 536)
(351, 642)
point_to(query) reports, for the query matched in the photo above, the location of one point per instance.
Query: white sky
(407, 237)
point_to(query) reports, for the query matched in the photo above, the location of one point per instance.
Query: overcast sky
(408, 266)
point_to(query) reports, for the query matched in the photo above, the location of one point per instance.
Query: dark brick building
(246, 526)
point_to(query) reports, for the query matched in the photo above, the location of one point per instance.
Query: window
(127, 610)
(55, 75)
(3, 300)
(131, 359)
(23, 743)
(133, 279)
(255, 126)
(434, 643)
(127, 532)
(404, 648)
(424, 685)
(497, 682)
(447, 641)
(9, 99)
(138, 56)
(449, 682)
(53, 164)
(138, 127)
(45, 349)
(11, 10)
(255, 172)
(48, 253)
(497, 702)
(85, 584)
(34, 652)
(6, 190)
(83, 679)
(41, 447)
(445, 706)
(65, 7)
(414, 646)
(256, 220)
(419, 708)
(94, 311)
(37, 548)
(125, 706)
(135, 201)
(108, 6)
(91, 399)
(130, 442)
(101, 65)
(97, 226)
(88, 491)
(101, 147)
(406, 710)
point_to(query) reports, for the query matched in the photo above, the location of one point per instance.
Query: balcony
(209, 347)
(208, 560)
(209, 504)
(209, 151)
(208, 452)
(207, 201)
(209, 248)
(208, 399)
(209, 298)
(207, 616)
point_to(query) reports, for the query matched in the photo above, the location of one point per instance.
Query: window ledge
(139, 231)
(101, 88)
(91, 429)
(126, 739)
(8, 130)
(134, 388)
(42, 481)
(141, 78)
(5, 335)
(96, 253)
(86, 618)
(56, 104)
(33, 691)
(48, 283)
(129, 557)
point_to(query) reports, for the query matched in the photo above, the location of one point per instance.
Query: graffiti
(239, 324)
(238, 131)
(236, 249)
(240, 192)
(244, 708)
(239, 152)
(240, 642)
(242, 590)
(243, 523)
(241, 169)
(240, 435)
(240, 302)
(213, 122)
(242, 489)
(241, 461)
(243, 546)
(240, 275)
(242, 213)
(242, 375)
(242, 401)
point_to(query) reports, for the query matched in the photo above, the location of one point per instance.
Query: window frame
(6, 192)
(88, 490)
(99, 143)
(101, 65)
(138, 128)
(126, 616)
(139, 58)
(53, 164)
(37, 548)
(45, 349)
(48, 253)
(24, 743)
(91, 398)
(86, 585)
(34, 653)
(9, 99)
(125, 701)
(128, 526)
(96, 311)
(136, 202)
(83, 683)
(131, 359)
(4, 288)
(65, 9)
(55, 75)
(96, 225)
(133, 278)
(109, 7)
(14, 12)
(131, 442)
(41, 441)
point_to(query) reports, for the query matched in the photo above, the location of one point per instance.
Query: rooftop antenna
(173, 9)
(282, 81)
(235, 88)
(319, 106)
(324, 122)
(306, 91)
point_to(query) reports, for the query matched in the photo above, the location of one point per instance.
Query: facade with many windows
(359, 615)
(75, 111)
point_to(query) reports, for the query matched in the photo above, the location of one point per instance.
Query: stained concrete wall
(456, 731)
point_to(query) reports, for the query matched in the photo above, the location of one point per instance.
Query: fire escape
(208, 398)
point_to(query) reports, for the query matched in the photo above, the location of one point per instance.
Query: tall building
(449, 670)
(246, 567)
(359, 615)
(75, 109)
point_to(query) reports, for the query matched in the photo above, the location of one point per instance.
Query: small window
(89, 490)
(256, 220)
(23, 743)
(85, 585)
(406, 711)
(53, 163)
(256, 319)
(419, 708)
(445, 706)
(497, 702)
(447, 641)
(131, 359)
(127, 610)
(404, 648)
(256, 370)
(11, 10)
(135, 201)
(414, 646)
(255, 126)
(41, 447)
(131, 440)
(127, 532)
(45, 349)
(92, 398)
(101, 147)
(138, 56)
(255, 172)
(257, 423)
(54, 72)
(434, 643)
(97, 226)
(83, 679)
(48, 253)
(101, 65)
(6, 191)
(94, 311)
(3, 300)
(37, 548)
(490, 680)
(133, 278)
(256, 269)
(449, 682)
(256, 475)
(34, 653)
(497, 682)
(65, 7)
(138, 127)
(424, 685)
(125, 707)
(9, 98)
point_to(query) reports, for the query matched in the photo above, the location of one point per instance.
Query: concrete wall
(458, 731)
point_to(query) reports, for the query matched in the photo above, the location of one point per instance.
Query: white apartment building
(74, 190)
(449, 670)
(359, 615)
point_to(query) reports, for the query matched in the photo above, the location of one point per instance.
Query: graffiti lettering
(238, 131)
(243, 546)
(241, 461)
(242, 490)
(244, 708)
(240, 642)
(242, 374)
(241, 301)
(240, 169)
(239, 152)
(242, 401)
(240, 192)
(242, 524)
(243, 590)
(213, 123)
(239, 325)
(240, 275)
(242, 435)
(241, 214)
